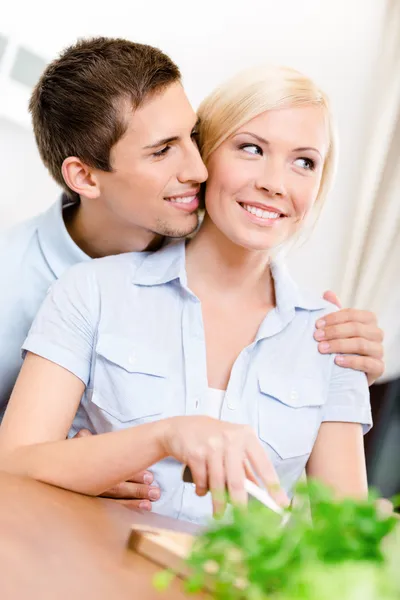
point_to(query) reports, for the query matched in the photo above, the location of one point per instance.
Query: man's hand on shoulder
(355, 336)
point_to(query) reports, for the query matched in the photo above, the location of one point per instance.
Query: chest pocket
(129, 384)
(289, 412)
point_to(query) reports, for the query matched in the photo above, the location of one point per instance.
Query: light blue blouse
(130, 328)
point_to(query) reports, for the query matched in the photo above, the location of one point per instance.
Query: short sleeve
(348, 398)
(64, 328)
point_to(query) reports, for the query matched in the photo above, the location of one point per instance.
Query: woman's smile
(260, 214)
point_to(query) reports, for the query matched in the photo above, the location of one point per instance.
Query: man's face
(157, 168)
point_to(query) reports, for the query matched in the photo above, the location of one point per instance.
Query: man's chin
(170, 231)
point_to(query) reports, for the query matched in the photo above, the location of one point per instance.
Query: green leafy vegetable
(347, 551)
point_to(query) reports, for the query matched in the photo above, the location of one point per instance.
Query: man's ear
(80, 178)
(331, 297)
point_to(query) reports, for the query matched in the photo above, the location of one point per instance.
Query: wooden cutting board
(167, 548)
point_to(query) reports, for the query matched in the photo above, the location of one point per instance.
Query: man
(116, 131)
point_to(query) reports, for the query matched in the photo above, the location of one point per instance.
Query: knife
(251, 488)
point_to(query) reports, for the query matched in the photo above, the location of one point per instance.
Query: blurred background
(351, 48)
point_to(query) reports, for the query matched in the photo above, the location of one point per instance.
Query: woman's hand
(220, 456)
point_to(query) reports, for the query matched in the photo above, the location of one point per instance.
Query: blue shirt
(130, 328)
(32, 256)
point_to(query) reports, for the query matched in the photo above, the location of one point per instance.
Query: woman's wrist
(159, 434)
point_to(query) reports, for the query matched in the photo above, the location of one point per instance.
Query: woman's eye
(251, 149)
(162, 151)
(305, 163)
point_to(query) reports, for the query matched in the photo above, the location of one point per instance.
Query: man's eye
(251, 149)
(162, 151)
(195, 137)
(305, 163)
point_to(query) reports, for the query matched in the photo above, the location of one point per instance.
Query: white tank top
(213, 403)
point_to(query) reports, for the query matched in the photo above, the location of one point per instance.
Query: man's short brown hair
(77, 104)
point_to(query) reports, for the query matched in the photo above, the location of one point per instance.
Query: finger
(350, 329)
(373, 367)
(250, 473)
(142, 477)
(385, 507)
(359, 346)
(134, 491)
(198, 466)
(345, 315)
(141, 504)
(216, 480)
(83, 433)
(235, 475)
(263, 467)
(331, 297)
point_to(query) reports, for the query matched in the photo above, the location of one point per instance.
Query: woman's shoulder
(102, 270)
(133, 265)
(291, 293)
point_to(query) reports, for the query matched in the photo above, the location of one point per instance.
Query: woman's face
(264, 179)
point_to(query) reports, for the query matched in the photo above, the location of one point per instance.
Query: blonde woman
(202, 353)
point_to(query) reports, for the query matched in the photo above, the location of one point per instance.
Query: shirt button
(294, 395)
(231, 405)
(132, 359)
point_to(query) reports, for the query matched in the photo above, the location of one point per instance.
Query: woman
(208, 347)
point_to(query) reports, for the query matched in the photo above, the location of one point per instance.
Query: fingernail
(320, 323)
(324, 347)
(154, 493)
(340, 360)
(320, 334)
(145, 505)
(148, 478)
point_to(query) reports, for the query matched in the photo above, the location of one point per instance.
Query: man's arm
(355, 336)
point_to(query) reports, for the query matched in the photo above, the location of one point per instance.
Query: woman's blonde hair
(253, 92)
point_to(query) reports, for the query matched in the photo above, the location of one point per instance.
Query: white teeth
(186, 200)
(258, 212)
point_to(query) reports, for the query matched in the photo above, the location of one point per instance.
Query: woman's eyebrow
(266, 142)
(308, 148)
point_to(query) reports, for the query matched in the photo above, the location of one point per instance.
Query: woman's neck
(214, 262)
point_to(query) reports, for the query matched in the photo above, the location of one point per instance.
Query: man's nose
(193, 169)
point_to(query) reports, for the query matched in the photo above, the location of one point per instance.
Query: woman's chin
(259, 242)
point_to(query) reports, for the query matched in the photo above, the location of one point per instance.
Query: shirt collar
(289, 295)
(168, 264)
(58, 247)
(163, 266)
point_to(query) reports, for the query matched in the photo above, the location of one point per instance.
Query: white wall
(26, 187)
(334, 41)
